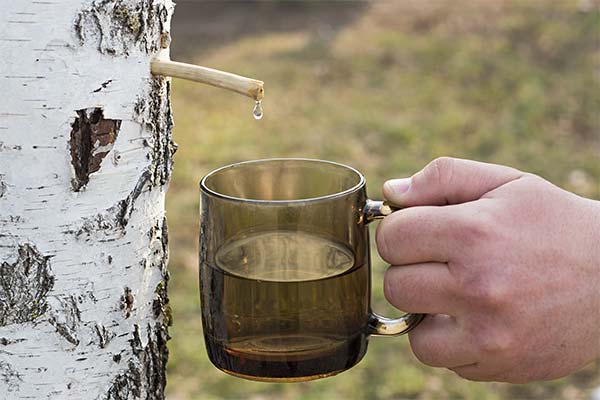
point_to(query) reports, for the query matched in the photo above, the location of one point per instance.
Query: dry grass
(509, 82)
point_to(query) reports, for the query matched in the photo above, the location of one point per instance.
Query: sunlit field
(386, 91)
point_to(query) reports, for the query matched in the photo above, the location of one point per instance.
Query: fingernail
(397, 186)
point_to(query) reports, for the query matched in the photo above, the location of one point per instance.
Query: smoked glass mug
(285, 276)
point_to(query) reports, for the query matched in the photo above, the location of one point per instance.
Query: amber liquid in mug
(285, 306)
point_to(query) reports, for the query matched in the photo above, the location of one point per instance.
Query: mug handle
(378, 325)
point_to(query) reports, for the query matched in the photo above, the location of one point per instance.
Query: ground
(384, 87)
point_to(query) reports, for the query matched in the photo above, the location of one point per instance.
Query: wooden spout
(240, 84)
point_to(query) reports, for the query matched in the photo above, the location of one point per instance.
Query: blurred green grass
(513, 83)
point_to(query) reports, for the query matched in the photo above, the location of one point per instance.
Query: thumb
(448, 180)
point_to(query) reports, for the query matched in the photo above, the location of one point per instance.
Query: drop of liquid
(257, 112)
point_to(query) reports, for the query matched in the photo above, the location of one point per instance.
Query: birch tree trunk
(85, 158)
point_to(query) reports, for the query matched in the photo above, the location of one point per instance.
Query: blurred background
(385, 87)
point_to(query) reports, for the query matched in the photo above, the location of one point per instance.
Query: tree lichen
(117, 27)
(24, 286)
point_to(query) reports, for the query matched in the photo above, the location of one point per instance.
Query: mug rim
(205, 189)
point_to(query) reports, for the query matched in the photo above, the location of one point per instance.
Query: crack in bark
(104, 85)
(126, 206)
(119, 26)
(116, 217)
(160, 305)
(145, 376)
(24, 286)
(104, 335)
(92, 138)
(66, 319)
(160, 233)
(5, 342)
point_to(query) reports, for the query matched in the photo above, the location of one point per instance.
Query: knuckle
(535, 180)
(495, 342)
(472, 230)
(479, 230)
(534, 189)
(483, 291)
(441, 170)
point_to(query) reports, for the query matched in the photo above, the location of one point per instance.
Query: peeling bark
(24, 286)
(92, 137)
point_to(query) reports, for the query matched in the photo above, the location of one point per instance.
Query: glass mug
(285, 276)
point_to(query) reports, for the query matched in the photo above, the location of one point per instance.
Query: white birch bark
(85, 158)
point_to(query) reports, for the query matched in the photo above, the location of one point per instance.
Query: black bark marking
(104, 335)
(153, 110)
(117, 27)
(159, 241)
(6, 342)
(6, 147)
(161, 309)
(66, 319)
(126, 302)
(127, 384)
(9, 376)
(126, 206)
(92, 137)
(116, 217)
(164, 237)
(2, 187)
(104, 85)
(24, 286)
(145, 376)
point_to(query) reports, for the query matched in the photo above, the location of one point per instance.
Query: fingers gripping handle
(377, 209)
(378, 325)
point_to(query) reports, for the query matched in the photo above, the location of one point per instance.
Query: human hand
(506, 264)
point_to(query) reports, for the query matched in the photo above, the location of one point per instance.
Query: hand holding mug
(507, 264)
